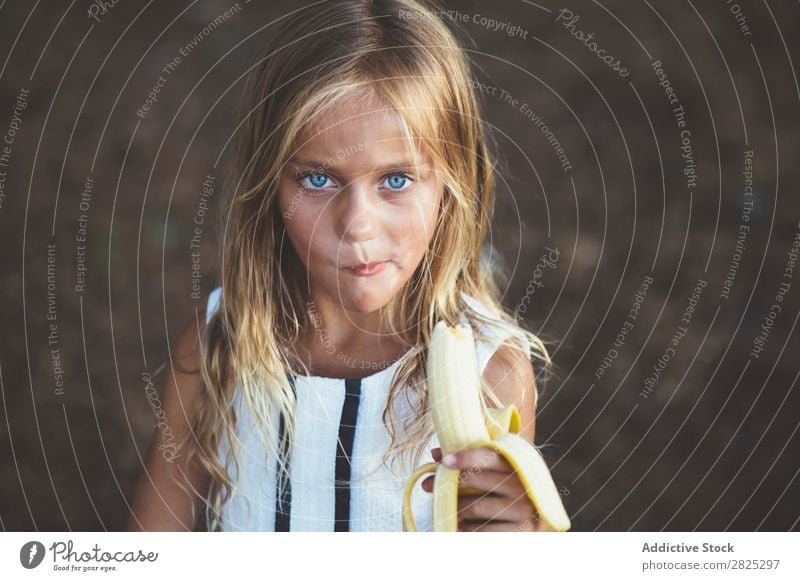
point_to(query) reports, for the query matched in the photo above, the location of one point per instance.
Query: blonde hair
(402, 53)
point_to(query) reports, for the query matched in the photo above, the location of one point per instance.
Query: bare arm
(511, 375)
(161, 503)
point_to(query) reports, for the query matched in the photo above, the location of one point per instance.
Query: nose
(357, 209)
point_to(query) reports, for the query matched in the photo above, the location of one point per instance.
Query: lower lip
(368, 269)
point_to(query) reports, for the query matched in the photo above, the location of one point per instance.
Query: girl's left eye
(398, 181)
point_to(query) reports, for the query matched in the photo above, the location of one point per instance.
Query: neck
(341, 343)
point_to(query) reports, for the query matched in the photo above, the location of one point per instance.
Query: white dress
(337, 482)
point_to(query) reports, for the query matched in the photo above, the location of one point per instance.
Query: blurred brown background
(712, 446)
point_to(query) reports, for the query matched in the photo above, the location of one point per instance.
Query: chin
(366, 302)
(365, 306)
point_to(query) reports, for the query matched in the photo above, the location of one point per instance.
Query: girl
(363, 196)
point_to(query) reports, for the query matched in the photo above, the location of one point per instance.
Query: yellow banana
(462, 423)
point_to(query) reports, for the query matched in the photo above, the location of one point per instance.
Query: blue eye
(317, 180)
(397, 181)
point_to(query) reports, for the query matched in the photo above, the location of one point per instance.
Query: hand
(504, 504)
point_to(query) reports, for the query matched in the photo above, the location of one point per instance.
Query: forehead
(355, 134)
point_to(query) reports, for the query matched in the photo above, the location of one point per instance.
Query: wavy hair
(404, 53)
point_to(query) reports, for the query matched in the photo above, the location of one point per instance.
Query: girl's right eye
(315, 181)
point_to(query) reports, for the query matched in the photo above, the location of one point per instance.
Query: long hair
(402, 52)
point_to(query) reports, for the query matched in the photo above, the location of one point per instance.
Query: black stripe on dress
(283, 503)
(344, 452)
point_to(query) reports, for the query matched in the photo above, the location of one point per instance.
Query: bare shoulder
(510, 374)
(171, 486)
(187, 345)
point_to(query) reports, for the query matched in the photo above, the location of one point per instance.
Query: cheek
(298, 235)
(413, 227)
(299, 224)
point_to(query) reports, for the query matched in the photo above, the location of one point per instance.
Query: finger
(489, 481)
(488, 507)
(477, 458)
(499, 526)
(540, 526)
(534, 525)
(437, 454)
(501, 483)
(478, 526)
(531, 525)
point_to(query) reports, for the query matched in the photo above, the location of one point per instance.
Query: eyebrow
(399, 164)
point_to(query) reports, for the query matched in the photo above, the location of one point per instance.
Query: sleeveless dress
(337, 481)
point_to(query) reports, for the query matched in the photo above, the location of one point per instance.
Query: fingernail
(450, 461)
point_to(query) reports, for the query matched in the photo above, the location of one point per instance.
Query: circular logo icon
(31, 554)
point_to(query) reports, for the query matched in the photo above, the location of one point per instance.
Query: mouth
(366, 268)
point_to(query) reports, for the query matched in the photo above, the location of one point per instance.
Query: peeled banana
(462, 423)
